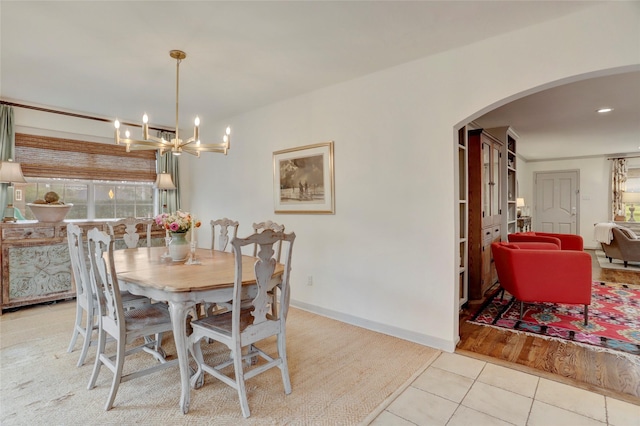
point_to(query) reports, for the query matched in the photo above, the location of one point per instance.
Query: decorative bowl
(50, 212)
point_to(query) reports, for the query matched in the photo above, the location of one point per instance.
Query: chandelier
(176, 145)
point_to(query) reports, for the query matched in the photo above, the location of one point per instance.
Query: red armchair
(564, 241)
(542, 272)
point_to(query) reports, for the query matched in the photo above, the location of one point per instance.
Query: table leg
(179, 312)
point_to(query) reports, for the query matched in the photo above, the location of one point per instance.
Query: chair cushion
(154, 314)
(221, 323)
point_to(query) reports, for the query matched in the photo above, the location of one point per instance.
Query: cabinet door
(487, 184)
(496, 183)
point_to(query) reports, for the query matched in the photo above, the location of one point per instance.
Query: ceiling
(111, 59)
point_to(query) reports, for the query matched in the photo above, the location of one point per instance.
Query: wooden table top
(144, 266)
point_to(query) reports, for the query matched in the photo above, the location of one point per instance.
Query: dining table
(146, 272)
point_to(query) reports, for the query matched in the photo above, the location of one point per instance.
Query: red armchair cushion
(564, 241)
(543, 274)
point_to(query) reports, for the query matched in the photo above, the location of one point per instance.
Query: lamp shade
(631, 197)
(164, 181)
(11, 172)
(519, 202)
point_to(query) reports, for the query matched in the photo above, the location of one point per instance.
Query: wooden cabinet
(508, 137)
(486, 202)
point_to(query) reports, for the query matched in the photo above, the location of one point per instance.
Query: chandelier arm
(218, 147)
(145, 144)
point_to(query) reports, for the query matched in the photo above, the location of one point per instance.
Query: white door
(556, 201)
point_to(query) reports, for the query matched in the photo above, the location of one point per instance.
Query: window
(633, 179)
(102, 181)
(92, 199)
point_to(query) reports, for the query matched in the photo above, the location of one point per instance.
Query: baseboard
(411, 336)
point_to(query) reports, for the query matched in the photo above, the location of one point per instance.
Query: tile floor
(458, 390)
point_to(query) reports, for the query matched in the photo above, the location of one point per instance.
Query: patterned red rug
(614, 317)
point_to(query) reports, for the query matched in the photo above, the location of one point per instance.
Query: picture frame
(303, 179)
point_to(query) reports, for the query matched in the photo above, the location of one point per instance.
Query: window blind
(43, 156)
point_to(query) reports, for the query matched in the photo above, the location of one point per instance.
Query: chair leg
(88, 332)
(586, 314)
(78, 323)
(239, 372)
(102, 338)
(521, 309)
(117, 374)
(501, 293)
(284, 368)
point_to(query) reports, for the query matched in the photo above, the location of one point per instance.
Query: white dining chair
(261, 226)
(246, 326)
(131, 237)
(220, 230)
(125, 327)
(86, 301)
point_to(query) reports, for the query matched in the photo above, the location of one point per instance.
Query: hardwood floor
(599, 371)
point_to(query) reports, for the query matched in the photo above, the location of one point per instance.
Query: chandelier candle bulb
(116, 124)
(196, 130)
(145, 127)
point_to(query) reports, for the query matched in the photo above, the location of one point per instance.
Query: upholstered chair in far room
(564, 241)
(124, 327)
(220, 231)
(246, 326)
(86, 301)
(542, 272)
(625, 245)
(131, 237)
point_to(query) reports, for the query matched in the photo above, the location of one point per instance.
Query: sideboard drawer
(23, 233)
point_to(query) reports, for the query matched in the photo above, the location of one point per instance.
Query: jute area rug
(603, 261)
(339, 375)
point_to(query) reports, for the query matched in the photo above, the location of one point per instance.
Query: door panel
(556, 208)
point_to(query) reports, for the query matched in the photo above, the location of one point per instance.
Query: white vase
(179, 246)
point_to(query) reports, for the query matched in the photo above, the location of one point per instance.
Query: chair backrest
(262, 226)
(263, 321)
(222, 226)
(104, 281)
(79, 268)
(131, 236)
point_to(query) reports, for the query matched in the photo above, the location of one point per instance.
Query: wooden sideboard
(35, 260)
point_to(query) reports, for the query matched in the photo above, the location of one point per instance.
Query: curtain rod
(626, 156)
(72, 114)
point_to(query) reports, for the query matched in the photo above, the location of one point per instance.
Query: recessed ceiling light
(604, 110)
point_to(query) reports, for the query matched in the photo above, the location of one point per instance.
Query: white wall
(387, 259)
